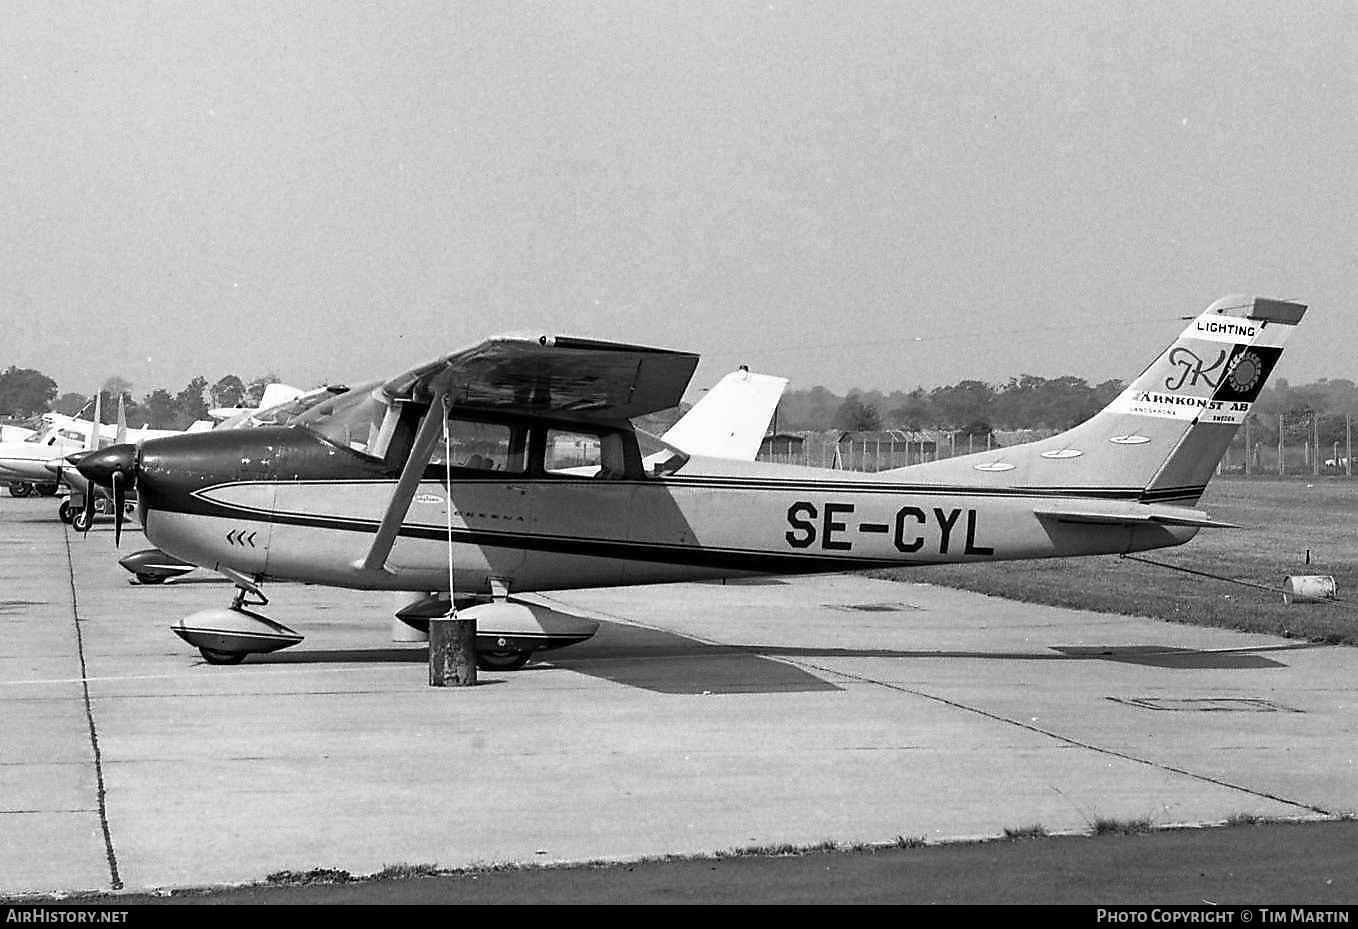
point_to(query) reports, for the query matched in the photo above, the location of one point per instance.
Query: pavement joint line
(115, 881)
(1078, 743)
(31, 812)
(256, 671)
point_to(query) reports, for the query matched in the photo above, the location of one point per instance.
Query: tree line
(977, 408)
(25, 392)
(969, 407)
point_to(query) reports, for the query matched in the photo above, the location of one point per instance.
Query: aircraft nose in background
(101, 466)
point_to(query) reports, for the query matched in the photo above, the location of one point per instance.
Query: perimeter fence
(1298, 443)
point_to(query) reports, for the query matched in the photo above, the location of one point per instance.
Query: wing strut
(429, 432)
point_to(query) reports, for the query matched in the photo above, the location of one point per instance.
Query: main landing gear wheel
(215, 656)
(64, 512)
(506, 660)
(80, 521)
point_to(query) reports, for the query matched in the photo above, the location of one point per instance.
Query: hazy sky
(847, 193)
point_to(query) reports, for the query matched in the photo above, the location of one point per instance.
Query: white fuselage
(26, 460)
(725, 519)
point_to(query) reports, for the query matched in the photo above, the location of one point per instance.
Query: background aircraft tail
(730, 420)
(1161, 439)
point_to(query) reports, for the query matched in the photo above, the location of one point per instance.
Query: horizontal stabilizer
(1133, 514)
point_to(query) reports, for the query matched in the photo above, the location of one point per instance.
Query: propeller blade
(119, 498)
(87, 513)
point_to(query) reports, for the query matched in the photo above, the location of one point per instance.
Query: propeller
(116, 468)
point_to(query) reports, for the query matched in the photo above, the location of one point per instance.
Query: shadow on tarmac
(664, 662)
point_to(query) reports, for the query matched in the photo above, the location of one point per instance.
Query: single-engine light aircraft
(512, 467)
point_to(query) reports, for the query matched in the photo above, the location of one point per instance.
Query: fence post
(1315, 435)
(1282, 465)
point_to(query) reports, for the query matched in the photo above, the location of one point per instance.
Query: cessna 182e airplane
(512, 467)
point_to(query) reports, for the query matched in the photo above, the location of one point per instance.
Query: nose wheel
(225, 637)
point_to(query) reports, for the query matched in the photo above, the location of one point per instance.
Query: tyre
(213, 656)
(506, 660)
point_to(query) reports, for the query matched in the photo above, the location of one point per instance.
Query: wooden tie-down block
(452, 652)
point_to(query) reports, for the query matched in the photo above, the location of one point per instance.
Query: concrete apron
(701, 718)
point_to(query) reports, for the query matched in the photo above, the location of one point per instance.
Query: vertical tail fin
(1162, 438)
(1196, 395)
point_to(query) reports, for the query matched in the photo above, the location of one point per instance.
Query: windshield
(283, 413)
(45, 431)
(352, 419)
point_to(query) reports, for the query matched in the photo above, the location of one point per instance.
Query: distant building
(782, 446)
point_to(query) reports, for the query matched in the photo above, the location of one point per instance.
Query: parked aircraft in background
(730, 419)
(23, 462)
(274, 395)
(38, 462)
(13, 433)
(462, 479)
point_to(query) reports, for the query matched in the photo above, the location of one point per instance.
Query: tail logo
(1192, 369)
(1245, 373)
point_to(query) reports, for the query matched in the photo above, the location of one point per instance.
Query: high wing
(581, 379)
(544, 375)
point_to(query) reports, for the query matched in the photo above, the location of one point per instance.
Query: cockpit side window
(482, 446)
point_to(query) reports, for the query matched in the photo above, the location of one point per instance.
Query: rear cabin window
(585, 454)
(482, 446)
